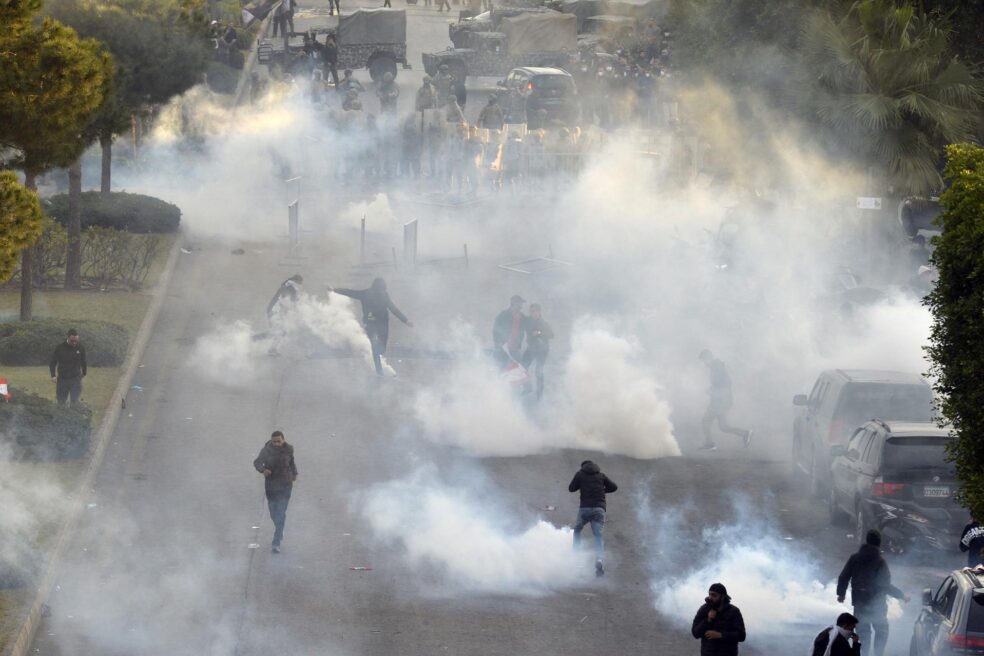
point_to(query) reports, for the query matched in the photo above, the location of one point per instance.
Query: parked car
(952, 618)
(842, 400)
(530, 89)
(894, 476)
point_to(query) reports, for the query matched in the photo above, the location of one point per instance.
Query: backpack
(820, 642)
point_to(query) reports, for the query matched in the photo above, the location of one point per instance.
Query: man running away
(286, 295)
(718, 624)
(593, 486)
(840, 639)
(507, 332)
(376, 306)
(719, 403)
(871, 583)
(276, 463)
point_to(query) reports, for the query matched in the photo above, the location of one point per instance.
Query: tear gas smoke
(468, 541)
(229, 354)
(30, 501)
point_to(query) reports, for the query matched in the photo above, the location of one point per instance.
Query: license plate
(936, 491)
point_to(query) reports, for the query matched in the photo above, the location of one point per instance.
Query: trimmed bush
(120, 210)
(222, 78)
(31, 343)
(37, 428)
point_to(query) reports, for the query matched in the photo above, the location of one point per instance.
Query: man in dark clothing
(593, 486)
(972, 541)
(507, 332)
(871, 581)
(840, 639)
(491, 116)
(718, 625)
(376, 306)
(538, 336)
(287, 292)
(276, 463)
(68, 368)
(330, 52)
(720, 403)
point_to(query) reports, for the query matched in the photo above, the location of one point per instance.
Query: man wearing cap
(871, 582)
(718, 625)
(508, 330)
(840, 639)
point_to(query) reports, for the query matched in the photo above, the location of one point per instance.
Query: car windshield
(914, 452)
(975, 617)
(552, 83)
(900, 402)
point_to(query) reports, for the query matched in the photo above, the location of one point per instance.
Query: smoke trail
(230, 354)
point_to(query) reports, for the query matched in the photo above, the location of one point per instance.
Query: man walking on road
(276, 463)
(507, 332)
(68, 368)
(718, 625)
(376, 306)
(719, 404)
(840, 639)
(593, 486)
(871, 582)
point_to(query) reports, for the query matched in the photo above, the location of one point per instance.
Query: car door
(855, 465)
(944, 615)
(870, 457)
(927, 629)
(812, 426)
(840, 478)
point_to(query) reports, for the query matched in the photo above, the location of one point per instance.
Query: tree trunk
(27, 261)
(73, 264)
(106, 142)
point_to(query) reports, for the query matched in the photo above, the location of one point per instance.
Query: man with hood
(871, 582)
(286, 295)
(376, 306)
(508, 330)
(972, 541)
(276, 463)
(840, 639)
(593, 486)
(720, 403)
(718, 624)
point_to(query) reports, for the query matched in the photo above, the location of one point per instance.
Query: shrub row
(119, 210)
(31, 343)
(37, 428)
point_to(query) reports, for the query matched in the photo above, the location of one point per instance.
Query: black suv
(842, 400)
(531, 89)
(894, 476)
(952, 619)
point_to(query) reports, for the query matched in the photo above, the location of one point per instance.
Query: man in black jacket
(593, 486)
(972, 541)
(718, 625)
(840, 639)
(871, 581)
(276, 463)
(376, 306)
(68, 368)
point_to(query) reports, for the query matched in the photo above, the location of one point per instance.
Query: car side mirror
(927, 597)
(838, 450)
(801, 399)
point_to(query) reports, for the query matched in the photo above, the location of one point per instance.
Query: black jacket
(841, 646)
(502, 328)
(870, 580)
(972, 541)
(538, 335)
(592, 484)
(69, 361)
(280, 461)
(286, 290)
(728, 622)
(376, 305)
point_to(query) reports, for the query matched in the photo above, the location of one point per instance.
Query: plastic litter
(548, 508)
(253, 545)
(581, 621)
(91, 505)
(136, 387)
(186, 251)
(360, 568)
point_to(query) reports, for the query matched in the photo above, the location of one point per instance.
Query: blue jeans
(872, 619)
(277, 500)
(596, 516)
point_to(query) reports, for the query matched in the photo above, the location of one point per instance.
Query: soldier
(491, 116)
(443, 83)
(388, 94)
(454, 113)
(352, 102)
(349, 83)
(333, 6)
(441, 4)
(330, 52)
(426, 95)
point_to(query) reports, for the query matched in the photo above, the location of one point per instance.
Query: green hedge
(120, 210)
(39, 429)
(31, 343)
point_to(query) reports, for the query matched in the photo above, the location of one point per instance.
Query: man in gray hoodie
(276, 463)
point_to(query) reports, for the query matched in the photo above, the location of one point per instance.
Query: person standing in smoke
(388, 94)
(68, 368)
(507, 332)
(720, 403)
(718, 624)
(840, 639)
(538, 336)
(286, 296)
(871, 583)
(376, 307)
(276, 463)
(972, 542)
(593, 486)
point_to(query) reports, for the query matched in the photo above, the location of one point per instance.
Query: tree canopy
(20, 221)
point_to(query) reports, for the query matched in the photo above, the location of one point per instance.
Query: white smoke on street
(469, 540)
(31, 501)
(230, 354)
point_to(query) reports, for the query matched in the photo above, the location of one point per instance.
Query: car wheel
(380, 66)
(860, 526)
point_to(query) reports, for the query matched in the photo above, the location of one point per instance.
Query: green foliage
(50, 255)
(222, 78)
(20, 221)
(882, 81)
(957, 304)
(39, 429)
(966, 18)
(31, 343)
(120, 210)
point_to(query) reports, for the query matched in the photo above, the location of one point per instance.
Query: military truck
(525, 39)
(367, 38)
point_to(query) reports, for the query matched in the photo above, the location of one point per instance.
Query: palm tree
(883, 83)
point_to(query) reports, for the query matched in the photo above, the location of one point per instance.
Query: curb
(28, 629)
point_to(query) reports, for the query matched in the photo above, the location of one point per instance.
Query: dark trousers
(333, 6)
(876, 620)
(333, 69)
(717, 412)
(378, 333)
(277, 500)
(537, 357)
(68, 388)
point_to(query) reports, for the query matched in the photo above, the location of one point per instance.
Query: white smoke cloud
(467, 539)
(32, 501)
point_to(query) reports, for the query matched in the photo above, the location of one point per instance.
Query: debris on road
(360, 568)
